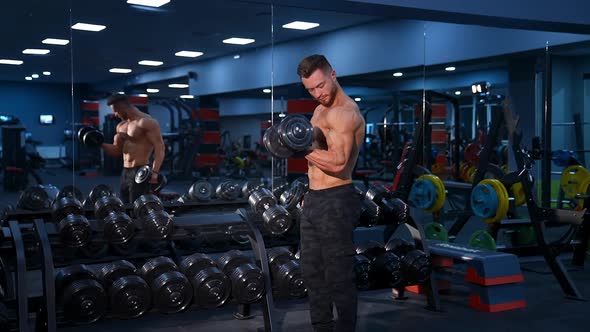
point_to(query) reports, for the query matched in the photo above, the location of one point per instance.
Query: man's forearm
(112, 150)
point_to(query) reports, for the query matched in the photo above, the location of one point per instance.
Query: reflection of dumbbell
(117, 226)
(276, 218)
(34, 198)
(363, 272)
(171, 290)
(247, 280)
(286, 272)
(80, 295)
(97, 192)
(156, 222)
(293, 135)
(73, 227)
(386, 267)
(416, 265)
(90, 137)
(143, 175)
(227, 190)
(394, 210)
(211, 288)
(129, 295)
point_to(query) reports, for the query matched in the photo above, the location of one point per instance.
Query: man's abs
(319, 180)
(136, 153)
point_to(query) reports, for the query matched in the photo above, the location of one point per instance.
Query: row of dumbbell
(395, 265)
(118, 228)
(380, 206)
(85, 295)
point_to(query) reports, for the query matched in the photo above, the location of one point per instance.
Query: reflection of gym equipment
(19, 158)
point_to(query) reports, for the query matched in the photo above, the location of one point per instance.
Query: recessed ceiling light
(35, 76)
(36, 51)
(28, 78)
(398, 74)
(88, 27)
(55, 41)
(148, 3)
(187, 97)
(299, 25)
(152, 90)
(238, 41)
(451, 68)
(178, 86)
(357, 99)
(188, 54)
(150, 63)
(142, 95)
(266, 90)
(236, 57)
(11, 62)
(457, 93)
(120, 70)
(121, 92)
(47, 73)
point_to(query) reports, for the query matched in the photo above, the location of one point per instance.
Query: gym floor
(546, 308)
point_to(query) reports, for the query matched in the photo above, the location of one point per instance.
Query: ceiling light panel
(178, 86)
(188, 54)
(148, 3)
(88, 27)
(238, 41)
(300, 25)
(120, 70)
(55, 41)
(36, 51)
(150, 63)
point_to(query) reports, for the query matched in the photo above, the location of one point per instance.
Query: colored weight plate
(571, 179)
(441, 194)
(518, 194)
(436, 231)
(490, 189)
(428, 193)
(482, 239)
(583, 190)
(470, 174)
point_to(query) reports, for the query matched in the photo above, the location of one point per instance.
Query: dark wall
(28, 100)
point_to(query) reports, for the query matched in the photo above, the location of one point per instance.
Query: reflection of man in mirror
(137, 136)
(332, 206)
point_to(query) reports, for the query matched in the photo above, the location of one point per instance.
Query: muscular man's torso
(137, 149)
(319, 179)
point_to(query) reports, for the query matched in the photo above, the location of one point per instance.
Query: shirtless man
(138, 135)
(332, 206)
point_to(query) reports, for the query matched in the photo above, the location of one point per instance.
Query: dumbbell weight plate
(248, 285)
(130, 297)
(249, 186)
(277, 220)
(82, 131)
(231, 260)
(144, 174)
(211, 288)
(370, 213)
(227, 190)
(118, 228)
(75, 231)
(106, 204)
(64, 206)
(84, 301)
(279, 185)
(172, 292)
(278, 256)
(34, 198)
(273, 145)
(363, 272)
(293, 196)
(70, 191)
(93, 139)
(191, 265)
(201, 191)
(147, 202)
(158, 224)
(417, 266)
(238, 233)
(388, 268)
(376, 193)
(296, 133)
(97, 192)
(69, 274)
(290, 280)
(110, 272)
(156, 266)
(260, 199)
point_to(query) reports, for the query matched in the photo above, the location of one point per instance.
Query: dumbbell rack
(48, 317)
(414, 229)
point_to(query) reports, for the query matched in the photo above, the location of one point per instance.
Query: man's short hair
(311, 63)
(117, 98)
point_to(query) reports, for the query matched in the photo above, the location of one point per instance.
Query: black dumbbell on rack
(211, 287)
(416, 265)
(276, 218)
(171, 290)
(247, 280)
(363, 272)
(118, 227)
(286, 273)
(73, 227)
(227, 190)
(80, 295)
(201, 191)
(393, 210)
(385, 266)
(156, 222)
(97, 192)
(129, 295)
(250, 186)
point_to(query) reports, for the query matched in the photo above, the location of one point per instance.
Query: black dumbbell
(416, 265)
(286, 272)
(277, 219)
(90, 137)
(117, 225)
(70, 191)
(129, 295)
(293, 135)
(156, 222)
(34, 198)
(144, 175)
(211, 287)
(97, 192)
(227, 190)
(247, 280)
(394, 210)
(279, 186)
(73, 227)
(371, 214)
(362, 272)
(201, 191)
(250, 186)
(171, 290)
(386, 267)
(292, 197)
(81, 296)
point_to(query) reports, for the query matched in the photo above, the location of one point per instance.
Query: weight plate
(495, 190)
(248, 285)
(571, 179)
(290, 279)
(211, 288)
(484, 201)
(106, 204)
(518, 193)
(277, 220)
(97, 192)
(84, 301)
(482, 239)
(34, 198)
(172, 292)
(249, 186)
(118, 228)
(82, 131)
(436, 231)
(194, 263)
(130, 297)
(143, 174)
(158, 224)
(231, 260)
(273, 145)
(428, 193)
(111, 272)
(296, 133)
(70, 191)
(362, 272)
(261, 199)
(155, 267)
(201, 191)
(74, 231)
(144, 203)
